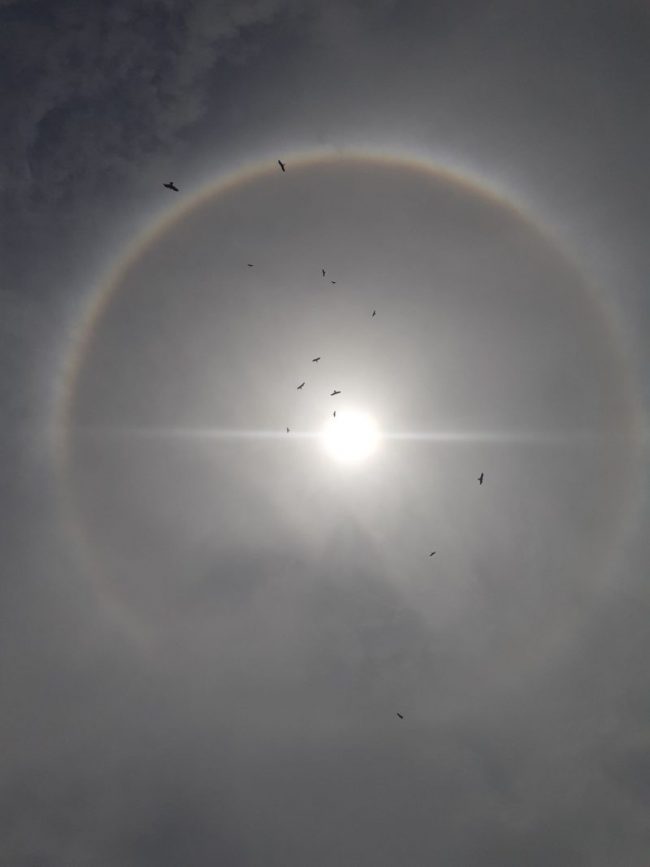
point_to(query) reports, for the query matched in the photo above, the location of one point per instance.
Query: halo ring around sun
(358, 445)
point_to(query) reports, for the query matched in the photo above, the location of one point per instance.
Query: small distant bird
(317, 358)
(172, 186)
(249, 265)
(322, 271)
(334, 392)
(300, 386)
(334, 413)
(282, 165)
(431, 554)
(333, 282)
(288, 429)
(480, 479)
(400, 716)
(374, 313)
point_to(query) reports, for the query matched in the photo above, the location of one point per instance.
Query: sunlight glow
(351, 437)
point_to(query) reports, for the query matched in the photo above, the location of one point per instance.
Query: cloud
(92, 97)
(251, 718)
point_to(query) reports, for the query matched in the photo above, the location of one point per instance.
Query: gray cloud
(93, 97)
(94, 94)
(218, 682)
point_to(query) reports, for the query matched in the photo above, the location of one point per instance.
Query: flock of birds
(302, 384)
(170, 185)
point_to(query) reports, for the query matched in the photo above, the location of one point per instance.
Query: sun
(351, 436)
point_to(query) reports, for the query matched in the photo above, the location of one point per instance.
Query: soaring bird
(333, 282)
(249, 265)
(374, 313)
(400, 716)
(334, 392)
(171, 186)
(431, 554)
(334, 413)
(322, 271)
(317, 358)
(282, 165)
(300, 386)
(480, 479)
(288, 429)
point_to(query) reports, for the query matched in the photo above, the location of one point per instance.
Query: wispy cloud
(92, 94)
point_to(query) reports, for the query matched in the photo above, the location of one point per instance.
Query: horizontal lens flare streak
(243, 435)
(188, 433)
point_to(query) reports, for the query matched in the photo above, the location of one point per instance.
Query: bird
(334, 413)
(172, 186)
(431, 554)
(300, 386)
(317, 358)
(322, 271)
(374, 313)
(282, 165)
(480, 479)
(400, 716)
(333, 282)
(334, 392)
(249, 265)
(288, 429)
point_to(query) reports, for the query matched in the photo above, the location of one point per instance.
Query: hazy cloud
(203, 647)
(92, 94)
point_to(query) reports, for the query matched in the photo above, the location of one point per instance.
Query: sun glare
(351, 436)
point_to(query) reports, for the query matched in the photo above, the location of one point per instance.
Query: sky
(210, 623)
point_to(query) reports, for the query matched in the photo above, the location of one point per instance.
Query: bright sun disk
(351, 437)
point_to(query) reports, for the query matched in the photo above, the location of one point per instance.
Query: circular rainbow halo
(351, 436)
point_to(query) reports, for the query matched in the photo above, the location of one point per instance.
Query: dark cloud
(93, 97)
(94, 94)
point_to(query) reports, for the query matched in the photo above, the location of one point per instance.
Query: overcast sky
(209, 625)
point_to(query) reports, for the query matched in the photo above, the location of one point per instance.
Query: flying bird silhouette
(249, 265)
(316, 359)
(282, 165)
(288, 429)
(172, 186)
(400, 716)
(334, 413)
(480, 479)
(300, 386)
(323, 271)
(374, 313)
(333, 282)
(432, 553)
(334, 392)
